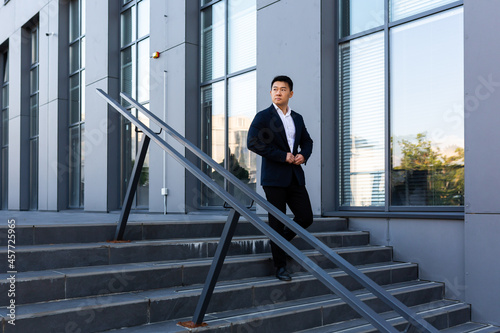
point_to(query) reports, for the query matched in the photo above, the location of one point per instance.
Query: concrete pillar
(102, 145)
(482, 158)
(173, 34)
(51, 177)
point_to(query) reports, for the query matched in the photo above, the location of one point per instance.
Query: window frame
(387, 210)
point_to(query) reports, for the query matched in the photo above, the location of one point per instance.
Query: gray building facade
(400, 100)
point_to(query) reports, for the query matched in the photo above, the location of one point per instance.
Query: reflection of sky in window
(427, 81)
(242, 35)
(242, 95)
(404, 8)
(365, 14)
(218, 99)
(367, 101)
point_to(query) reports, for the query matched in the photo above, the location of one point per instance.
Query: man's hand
(290, 158)
(299, 159)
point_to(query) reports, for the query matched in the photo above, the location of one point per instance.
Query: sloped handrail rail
(332, 284)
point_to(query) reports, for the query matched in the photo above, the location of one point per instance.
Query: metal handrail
(348, 297)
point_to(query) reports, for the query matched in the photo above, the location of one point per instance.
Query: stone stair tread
(3, 276)
(66, 305)
(148, 265)
(226, 318)
(472, 327)
(360, 325)
(70, 246)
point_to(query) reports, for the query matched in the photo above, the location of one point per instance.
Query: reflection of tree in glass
(236, 169)
(441, 175)
(144, 177)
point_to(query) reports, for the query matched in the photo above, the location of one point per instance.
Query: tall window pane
(74, 98)
(134, 79)
(225, 125)
(242, 35)
(128, 74)
(427, 95)
(4, 143)
(128, 19)
(362, 109)
(404, 8)
(76, 102)
(33, 134)
(213, 108)
(213, 41)
(241, 111)
(143, 71)
(360, 15)
(74, 173)
(143, 19)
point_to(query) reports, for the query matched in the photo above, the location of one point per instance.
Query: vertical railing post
(132, 187)
(215, 268)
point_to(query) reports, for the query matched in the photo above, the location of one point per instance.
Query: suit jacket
(267, 137)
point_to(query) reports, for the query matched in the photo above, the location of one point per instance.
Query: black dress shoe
(282, 274)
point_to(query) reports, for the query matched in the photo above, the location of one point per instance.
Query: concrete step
(94, 314)
(304, 314)
(65, 283)
(181, 229)
(441, 314)
(43, 257)
(471, 327)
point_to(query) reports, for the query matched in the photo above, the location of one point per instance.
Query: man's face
(280, 94)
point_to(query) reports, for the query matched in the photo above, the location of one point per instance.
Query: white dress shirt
(288, 124)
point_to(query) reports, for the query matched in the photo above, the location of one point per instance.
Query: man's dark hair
(283, 78)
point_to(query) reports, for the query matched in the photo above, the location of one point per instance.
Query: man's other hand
(290, 158)
(299, 159)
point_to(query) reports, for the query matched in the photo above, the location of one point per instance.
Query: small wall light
(155, 55)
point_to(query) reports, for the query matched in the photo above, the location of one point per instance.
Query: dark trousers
(297, 199)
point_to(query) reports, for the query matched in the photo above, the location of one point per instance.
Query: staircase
(70, 279)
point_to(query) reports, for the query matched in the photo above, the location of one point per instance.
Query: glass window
(242, 38)
(241, 110)
(34, 46)
(74, 57)
(33, 203)
(213, 41)
(4, 123)
(74, 19)
(6, 68)
(33, 120)
(213, 101)
(225, 125)
(360, 15)
(404, 8)
(362, 108)
(76, 101)
(427, 104)
(74, 173)
(5, 97)
(143, 19)
(127, 71)
(401, 107)
(134, 80)
(128, 19)
(5, 178)
(143, 71)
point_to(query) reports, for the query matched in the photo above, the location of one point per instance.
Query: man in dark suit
(279, 135)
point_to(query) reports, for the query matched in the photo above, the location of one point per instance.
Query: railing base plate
(191, 324)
